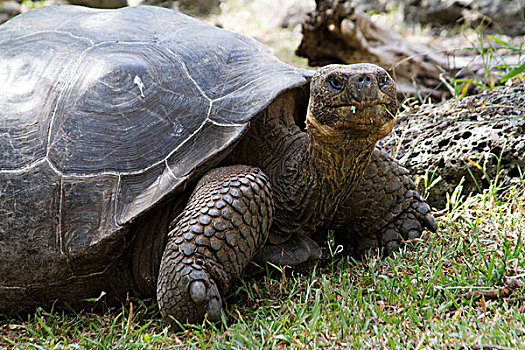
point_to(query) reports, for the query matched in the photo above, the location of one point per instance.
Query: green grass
(417, 298)
(496, 72)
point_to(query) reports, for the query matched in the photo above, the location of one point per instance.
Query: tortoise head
(357, 101)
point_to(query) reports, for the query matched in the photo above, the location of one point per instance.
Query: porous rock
(454, 137)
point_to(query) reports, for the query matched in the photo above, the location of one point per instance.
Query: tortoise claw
(200, 295)
(215, 311)
(198, 292)
(406, 227)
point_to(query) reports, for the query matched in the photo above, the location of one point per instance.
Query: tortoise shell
(105, 114)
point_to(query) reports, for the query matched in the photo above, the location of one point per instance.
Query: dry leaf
(482, 303)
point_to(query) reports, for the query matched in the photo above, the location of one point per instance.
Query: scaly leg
(224, 224)
(384, 211)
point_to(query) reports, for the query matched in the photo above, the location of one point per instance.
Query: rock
(443, 138)
(502, 16)
(192, 7)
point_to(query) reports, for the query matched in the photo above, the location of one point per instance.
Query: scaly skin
(317, 183)
(342, 181)
(225, 222)
(383, 211)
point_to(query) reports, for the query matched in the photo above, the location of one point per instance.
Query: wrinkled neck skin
(331, 166)
(335, 159)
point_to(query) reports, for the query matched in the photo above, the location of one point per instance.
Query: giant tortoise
(145, 152)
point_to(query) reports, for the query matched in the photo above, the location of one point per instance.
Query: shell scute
(105, 115)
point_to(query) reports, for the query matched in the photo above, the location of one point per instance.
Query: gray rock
(443, 137)
(296, 13)
(500, 15)
(192, 7)
(9, 9)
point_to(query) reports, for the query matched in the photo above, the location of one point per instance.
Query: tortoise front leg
(224, 224)
(383, 211)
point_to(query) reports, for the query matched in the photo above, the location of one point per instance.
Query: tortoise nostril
(364, 79)
(364, 87)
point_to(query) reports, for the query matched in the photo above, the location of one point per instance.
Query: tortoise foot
(188, 293)
(384, 211)
(224, 224)
(407, 227)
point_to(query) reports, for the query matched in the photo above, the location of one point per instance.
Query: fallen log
(337, 32)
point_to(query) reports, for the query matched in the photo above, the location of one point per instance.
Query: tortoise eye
(335, 82)
(383, 81)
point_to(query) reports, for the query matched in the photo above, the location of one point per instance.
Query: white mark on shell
(140, 84)
(177, 128)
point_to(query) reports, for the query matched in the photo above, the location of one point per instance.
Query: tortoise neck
(335, 163)
(337, 159)
(316, 174)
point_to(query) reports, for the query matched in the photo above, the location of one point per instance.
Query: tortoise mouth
(364, 104)
(363, 121)
(363, 115)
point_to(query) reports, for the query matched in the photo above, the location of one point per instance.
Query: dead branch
(337, 32)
